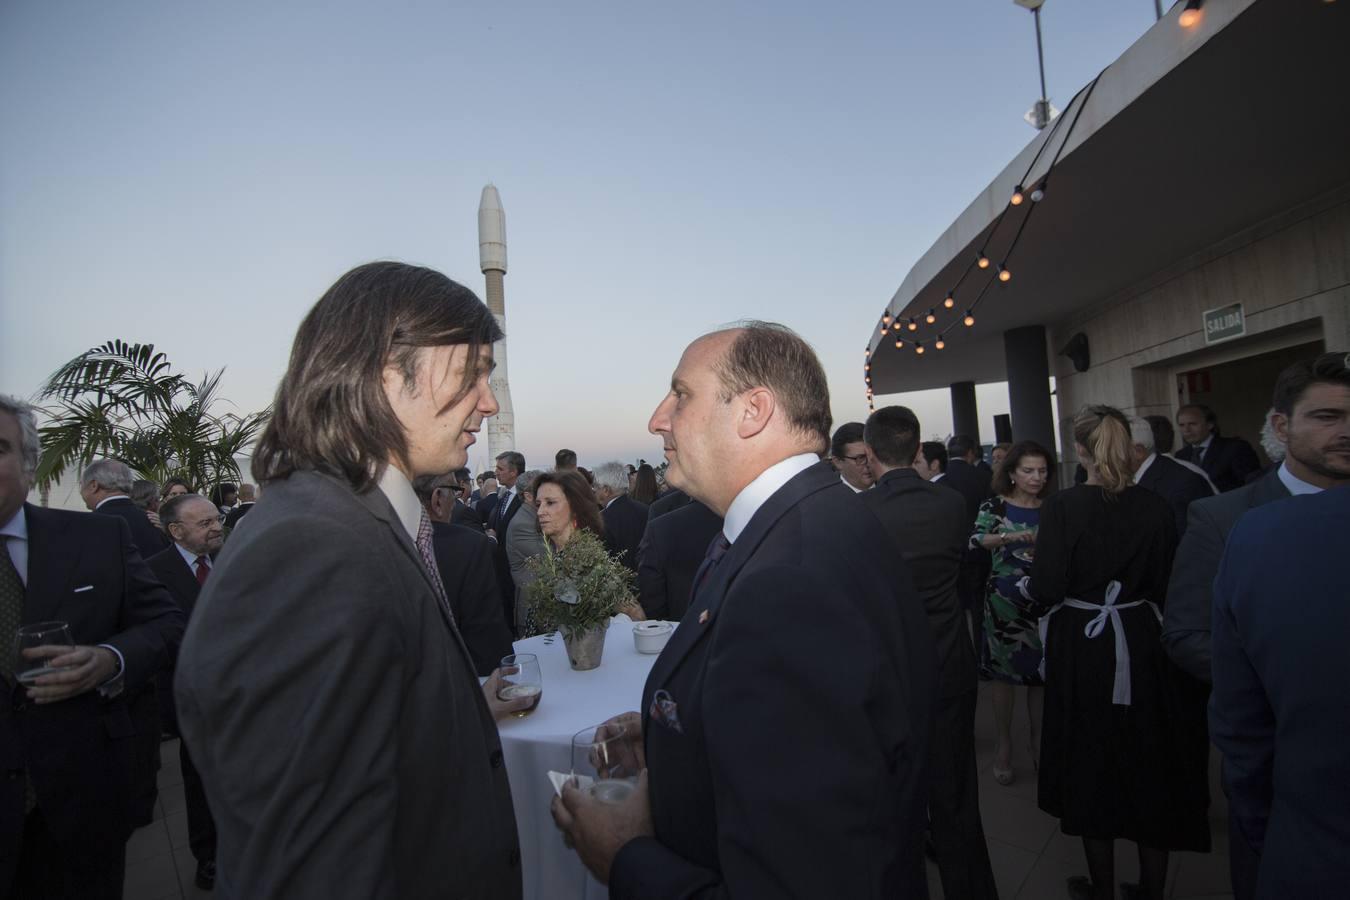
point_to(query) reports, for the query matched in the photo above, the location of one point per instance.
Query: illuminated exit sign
(1224, 323)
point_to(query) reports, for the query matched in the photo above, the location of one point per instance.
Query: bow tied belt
(1108, 609)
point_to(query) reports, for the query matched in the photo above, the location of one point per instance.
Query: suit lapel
(52, 560)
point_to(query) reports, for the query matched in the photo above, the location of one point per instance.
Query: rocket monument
(501, 428)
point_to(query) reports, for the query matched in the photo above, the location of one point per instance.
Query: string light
(1016, 199)
(913, 326)
(940, 343)
(1190, 16)
(899, 343)
(969, 320)
(931, 317)
(1038, 194)
(950, 301)
(918, 347)
(867, 368)
(867, 353)
(983, 260)
(1003, 274)
(886, 319)
(883, 330)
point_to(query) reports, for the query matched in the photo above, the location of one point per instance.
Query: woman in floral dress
(1011, 648)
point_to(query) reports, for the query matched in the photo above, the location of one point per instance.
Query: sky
(196, 175)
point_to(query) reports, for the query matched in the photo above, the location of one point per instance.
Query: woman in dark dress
(1111, 749)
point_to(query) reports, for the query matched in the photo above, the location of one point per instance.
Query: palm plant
(125, 401)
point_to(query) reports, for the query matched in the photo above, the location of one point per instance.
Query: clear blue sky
(195, 175)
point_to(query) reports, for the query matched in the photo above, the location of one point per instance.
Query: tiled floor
(1031, 858)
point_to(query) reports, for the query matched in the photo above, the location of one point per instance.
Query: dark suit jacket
(1227, 462)
(464, 558)
(486, 505)
(499, 518)
(927, 525)
(668, 502)
(148, 539)
(1186, 617)
(803, 701)
(232, 520)
(971, 482)
(464, 514)
(1279, 713)
(335, 715)
(81, 753)
(1176, 484)
(176, 575)
(625, 521)
(671, 551)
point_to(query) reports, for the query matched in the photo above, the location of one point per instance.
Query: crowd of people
(327, 644)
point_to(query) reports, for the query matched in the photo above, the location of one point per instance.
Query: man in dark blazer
(461, 512)
(510, 466)
(1228, 461)
(785, 725)
(928, 529)
(967, 476)
(1166, 477)
(625, 519)
(248, 496)
(335, 713)
(193, 522)
(68, 752)
(487, 502)
(464, 561)
(668, 502)
(105, 487)
(671, 551)
(1278, 714)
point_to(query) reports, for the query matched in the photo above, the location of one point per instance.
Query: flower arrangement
(577, 589)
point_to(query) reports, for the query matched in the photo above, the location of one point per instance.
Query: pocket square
(80, 590)
(666, 711)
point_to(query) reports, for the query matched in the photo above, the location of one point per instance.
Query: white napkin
(558, 779)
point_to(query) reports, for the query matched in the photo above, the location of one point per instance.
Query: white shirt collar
(938, 477)
(849, 485)
(109, 499)
(401, 496)
(1203, 446)
(756, 493)
(17, 526)
(1296, 485)
(612, 499)
(1143, 467)
(190, 558)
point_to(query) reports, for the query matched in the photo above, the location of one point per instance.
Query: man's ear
(1279, 423)
(757, 408)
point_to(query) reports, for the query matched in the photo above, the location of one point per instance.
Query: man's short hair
(934, 451)
(1141, 433)
(848, 433)
(612, 475)
(482, 477)
(172, 510)
(1294, 381)
(525, 483)
(331, 412)
(248, 491)
(111, 475)
(144, 493)
(425, 485)
(893, 434)
(773, 356)
(1164, 437)
(564, 458)
(959, 446)
(513, 459)
(30, 441)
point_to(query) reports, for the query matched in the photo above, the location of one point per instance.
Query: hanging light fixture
(1017, 198)
(913, 326)
(918, 347)
(1003, 274)
(899, 343)
(1190, 16)
(886, 318)
(1038, 193)
(867, 368)
(931, 317)
(867, 353)
(950, 301)
(969, 320)
(982, 260)
(940, 343)
(883, 330)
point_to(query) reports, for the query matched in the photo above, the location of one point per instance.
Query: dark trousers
(954, 803)
(49, 870)
(201, 825)
(1243, 862)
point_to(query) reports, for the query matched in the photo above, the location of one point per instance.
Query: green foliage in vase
(582, 572)
(124, 401)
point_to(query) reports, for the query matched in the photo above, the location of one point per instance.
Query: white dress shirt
(1143, 467)
(191, 558)
(1297, 486)
(398, 490)
(757, 493)
(849, 485)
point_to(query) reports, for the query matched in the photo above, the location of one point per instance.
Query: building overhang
(1191, 137)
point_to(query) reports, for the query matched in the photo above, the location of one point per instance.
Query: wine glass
(521, 677)
(603, 763)
(40, 634)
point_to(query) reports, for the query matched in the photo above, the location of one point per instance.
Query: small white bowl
(651, 637)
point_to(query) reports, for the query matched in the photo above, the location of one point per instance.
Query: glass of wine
(521, 678)
(603, 762)
(40, 634)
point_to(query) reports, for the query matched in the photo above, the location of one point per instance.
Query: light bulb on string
(899, 343)
(969, 320)
(982, 260)
(1190, 16)
(950, 301)
(931, 317)
(918, 347)
(867, 368)
(1038, 194)
(940, 343)
(867, 352)
(1017, 198)
(1003, 274)
(886, 318)
(913, 326)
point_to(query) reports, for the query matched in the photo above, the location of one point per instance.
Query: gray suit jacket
(334, 713)
(1186, 615)
(523, 541)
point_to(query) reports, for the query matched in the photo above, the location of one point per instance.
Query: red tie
(203, 569)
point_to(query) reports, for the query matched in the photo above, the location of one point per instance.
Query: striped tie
(429, 561)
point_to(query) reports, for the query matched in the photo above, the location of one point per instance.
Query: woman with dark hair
(1113, 763)
(1010, 654)
(564, 504)
(644, 485)
(174, 487)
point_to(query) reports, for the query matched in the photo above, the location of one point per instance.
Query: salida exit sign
(1224, 323)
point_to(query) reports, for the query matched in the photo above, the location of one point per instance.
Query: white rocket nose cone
(491, 231)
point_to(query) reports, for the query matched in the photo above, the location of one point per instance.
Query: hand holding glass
(603, 753)
(37, 645)
(521, 678)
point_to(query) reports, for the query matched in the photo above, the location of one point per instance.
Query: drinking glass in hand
(53, 635)
(601, 753)
(521, 678)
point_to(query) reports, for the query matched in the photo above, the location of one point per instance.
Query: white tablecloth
(543, 740)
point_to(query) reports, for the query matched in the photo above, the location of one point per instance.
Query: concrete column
(1029, 385)
(965, 414)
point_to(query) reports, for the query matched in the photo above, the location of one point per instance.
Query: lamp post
(1042, 112)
